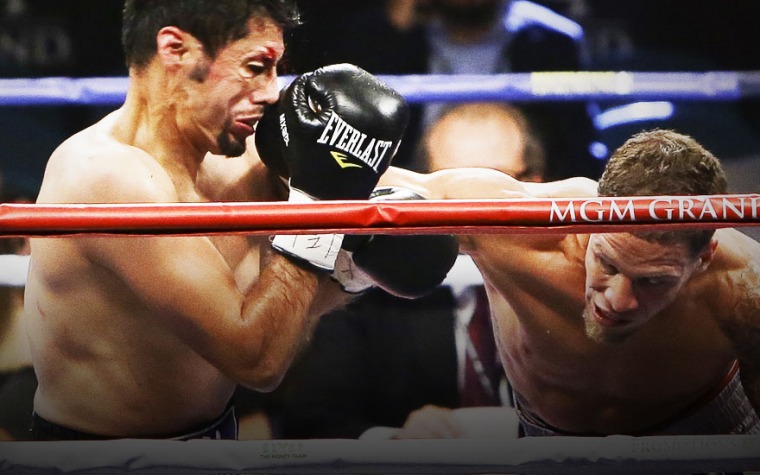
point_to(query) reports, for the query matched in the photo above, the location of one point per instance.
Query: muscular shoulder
(93, 167)
(736, 270)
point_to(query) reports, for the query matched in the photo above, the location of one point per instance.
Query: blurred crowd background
(80, 38)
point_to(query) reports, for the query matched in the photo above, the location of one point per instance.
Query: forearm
(577, 187)
(483, 183)
(457, 183)
(279, 316)
(329, 297)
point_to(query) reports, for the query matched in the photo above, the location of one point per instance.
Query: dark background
(80, 38)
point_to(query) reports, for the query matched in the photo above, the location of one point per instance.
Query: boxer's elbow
(251, 359)
(263, 375)
(265, 381)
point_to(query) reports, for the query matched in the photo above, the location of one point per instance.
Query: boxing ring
(618, 454)
(537, 86)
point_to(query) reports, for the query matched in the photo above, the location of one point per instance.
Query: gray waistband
(729, 412)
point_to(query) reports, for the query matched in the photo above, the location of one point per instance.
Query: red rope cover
(577, 215)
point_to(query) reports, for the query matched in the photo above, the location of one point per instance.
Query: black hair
(215, 23)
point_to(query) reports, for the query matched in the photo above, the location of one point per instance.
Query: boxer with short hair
(148, 337)
(634, 333)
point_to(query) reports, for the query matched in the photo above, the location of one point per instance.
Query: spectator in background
(463, 37)
(389, 367)
(484, 134)
(40, 39)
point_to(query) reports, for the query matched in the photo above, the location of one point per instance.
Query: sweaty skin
(663, 328)
(136, 336)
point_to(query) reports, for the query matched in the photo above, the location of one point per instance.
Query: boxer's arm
(483, 183)
(251, 337)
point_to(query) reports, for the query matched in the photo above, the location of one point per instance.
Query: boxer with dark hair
(149, 337)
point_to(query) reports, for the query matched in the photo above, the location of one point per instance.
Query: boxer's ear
(174, 44)
(706, 256)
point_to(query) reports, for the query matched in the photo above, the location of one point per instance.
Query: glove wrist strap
(350, 276)
(319, 250)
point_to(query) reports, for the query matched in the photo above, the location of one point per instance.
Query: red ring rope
(564, 215)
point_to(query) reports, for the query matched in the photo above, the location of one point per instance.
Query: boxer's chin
(230, 144)
(602, 334)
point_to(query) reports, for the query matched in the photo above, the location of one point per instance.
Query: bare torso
(107, 363)
(581, 386)
(536, 287)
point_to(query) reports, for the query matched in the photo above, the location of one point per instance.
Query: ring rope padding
(419, 88)
(565, 215)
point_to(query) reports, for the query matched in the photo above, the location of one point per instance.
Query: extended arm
(483, 183)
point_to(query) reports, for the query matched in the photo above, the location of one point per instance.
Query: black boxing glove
(333, 133)
(407, 266)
